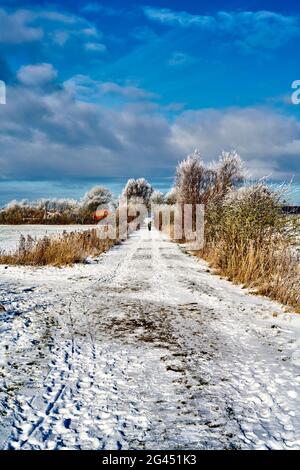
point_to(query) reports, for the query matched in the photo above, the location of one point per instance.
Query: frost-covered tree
(157, 197)
(43, 205)
(171, 196)
(139, 190)
(193, 180)
(230, 171)
(64, 205)
(16, 211)
(97, 197)
(197, 183)
(17, 205)
(56, 205)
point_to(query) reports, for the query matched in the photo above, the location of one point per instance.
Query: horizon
(76, 188)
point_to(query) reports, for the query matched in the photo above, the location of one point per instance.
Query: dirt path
(144, 349)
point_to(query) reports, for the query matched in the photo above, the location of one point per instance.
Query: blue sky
(129, 88)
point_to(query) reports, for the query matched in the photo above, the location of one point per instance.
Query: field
(10, 234)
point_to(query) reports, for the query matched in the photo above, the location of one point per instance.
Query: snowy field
(10, 234)
(144, 349)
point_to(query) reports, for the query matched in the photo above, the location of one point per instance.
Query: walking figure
(149, 225)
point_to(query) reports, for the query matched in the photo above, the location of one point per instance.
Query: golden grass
(251, 241)
(271, 269)
(62, 250)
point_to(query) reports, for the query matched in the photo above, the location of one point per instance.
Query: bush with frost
(57, 204)
(157, 198)
(97, 197)
(171, 196)
(250, 241)
(138, 190)
(198, 183)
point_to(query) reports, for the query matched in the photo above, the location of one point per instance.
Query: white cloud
(181, 18)
(52, 135)
(55, 16)
(32, 25)
(48, 133)
(94, 7)
(16, 28)
(60, 37)
(269, 141)
(37, 74)
(82, 86)
(95, 47)
(127, 91)
(247, 29)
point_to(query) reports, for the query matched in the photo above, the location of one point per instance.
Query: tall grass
(250, 240)
(65, 249)
(248, 237)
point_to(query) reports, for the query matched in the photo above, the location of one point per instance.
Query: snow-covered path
(144, 349)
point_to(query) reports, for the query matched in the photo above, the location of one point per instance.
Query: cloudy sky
(128, 88)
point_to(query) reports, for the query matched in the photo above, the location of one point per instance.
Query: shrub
(157, 198)
(139, 190)
(171, 196)
(57, 211)
(249, 239)
(95, 198)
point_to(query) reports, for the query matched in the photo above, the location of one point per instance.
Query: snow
(144, 349)
(10, 234)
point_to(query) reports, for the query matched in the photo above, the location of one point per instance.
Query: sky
(129, 88)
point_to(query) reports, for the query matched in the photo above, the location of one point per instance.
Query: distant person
(149, 225)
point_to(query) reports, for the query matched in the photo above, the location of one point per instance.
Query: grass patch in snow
(61, 250)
